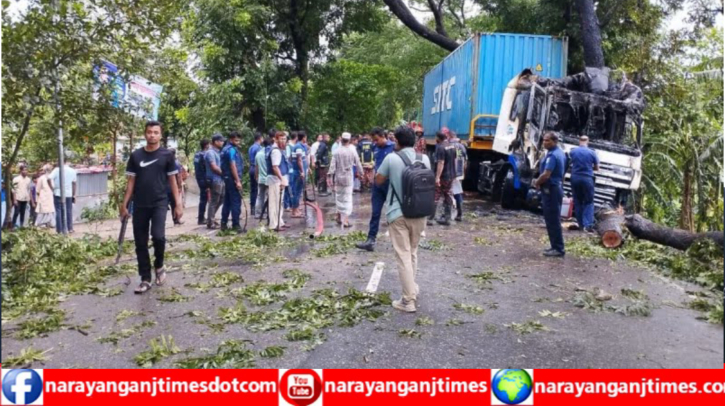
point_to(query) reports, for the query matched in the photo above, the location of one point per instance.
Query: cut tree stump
(609, 227)
(642, 228)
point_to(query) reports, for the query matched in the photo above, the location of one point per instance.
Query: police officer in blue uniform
(584, 162)
(232, 165)
(200, 174)
(382, 147)
(550, 180)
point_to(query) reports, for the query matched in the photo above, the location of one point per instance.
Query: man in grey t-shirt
(404, 232)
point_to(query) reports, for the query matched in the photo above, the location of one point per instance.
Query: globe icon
(511, 386)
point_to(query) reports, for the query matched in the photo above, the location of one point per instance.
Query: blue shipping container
(469, 83)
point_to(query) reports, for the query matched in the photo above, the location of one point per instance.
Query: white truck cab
(528, 110)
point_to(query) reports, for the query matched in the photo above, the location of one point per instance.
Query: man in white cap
(343, 161)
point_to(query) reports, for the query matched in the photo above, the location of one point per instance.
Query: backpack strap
(406, 162)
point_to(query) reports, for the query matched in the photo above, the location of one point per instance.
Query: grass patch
(26, 358)
(701, 264)
(470, 309)
(484, 278)
(253, 247)
(173, 297)
(424, 321)
(409, 333)
(231, 354)
(527, 327)
(35, 327)
(272, 352)
(117, 336)
(39, 269)
(160, 348)
(338, 243)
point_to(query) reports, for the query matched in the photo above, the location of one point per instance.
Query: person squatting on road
(253, 150)
(212, 157)
(584, 162)
(381, 148)
(261, 176)
(232, 164)
(300, 166)
(149, 170)
(404, 232)
(277, 181)
(550, 181)
(201, 180)
(445, 157)
(344, 159)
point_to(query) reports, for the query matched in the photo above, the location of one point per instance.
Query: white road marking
(375, 277)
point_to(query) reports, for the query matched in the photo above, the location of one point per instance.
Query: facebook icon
(22, 387)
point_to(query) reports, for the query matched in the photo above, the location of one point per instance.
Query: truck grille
(602, 193)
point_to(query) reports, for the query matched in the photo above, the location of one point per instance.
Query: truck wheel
(508, 193)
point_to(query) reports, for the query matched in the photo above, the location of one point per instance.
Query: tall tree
(439, 36)
(590, 34)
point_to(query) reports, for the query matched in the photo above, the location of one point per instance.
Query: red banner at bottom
(303, 387)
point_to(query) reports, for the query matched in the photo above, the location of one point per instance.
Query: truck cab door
(535, 123)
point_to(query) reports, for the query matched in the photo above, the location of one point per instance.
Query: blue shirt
(381, 152)
(212, 156)
(299, 150)
(231, 154)
(583, 160)
(200, 165)
(253, 154)
(555, 161)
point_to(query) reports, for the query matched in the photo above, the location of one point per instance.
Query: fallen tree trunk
(609, 227)
(642, 228)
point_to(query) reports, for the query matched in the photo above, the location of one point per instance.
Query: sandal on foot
(142, 288)
(160, 276)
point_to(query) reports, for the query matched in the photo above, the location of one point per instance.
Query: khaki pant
(275, 205)
(405, 234)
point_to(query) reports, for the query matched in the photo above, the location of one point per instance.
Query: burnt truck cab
(532, 106)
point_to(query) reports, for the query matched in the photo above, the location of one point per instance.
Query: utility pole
(61, 157)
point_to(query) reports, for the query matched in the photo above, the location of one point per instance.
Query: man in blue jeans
(552, 169)
(69, 184)
(232, 166)
(382, 147)
(584, 162)
(253, 170)
(300, 164)
(200, 174)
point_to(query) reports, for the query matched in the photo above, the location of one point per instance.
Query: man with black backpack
(410, 200)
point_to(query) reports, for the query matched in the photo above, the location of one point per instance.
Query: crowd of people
(416, 190)
(35, 199)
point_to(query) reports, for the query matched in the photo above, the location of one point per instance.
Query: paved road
(509, 246)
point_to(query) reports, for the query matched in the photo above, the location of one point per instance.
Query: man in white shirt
(70, 178)
(21, 196)
(277, 181)
(344, 159)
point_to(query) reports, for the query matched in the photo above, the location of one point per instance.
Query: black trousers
(153, 218)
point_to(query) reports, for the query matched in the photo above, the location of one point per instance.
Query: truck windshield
(609, 123)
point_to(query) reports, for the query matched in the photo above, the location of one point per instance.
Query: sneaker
(212, 226)
(459, 218)
(368, 245)
(404, 306)
(553, 253)
(201, 223)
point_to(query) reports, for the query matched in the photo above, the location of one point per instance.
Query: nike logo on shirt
(145, 164)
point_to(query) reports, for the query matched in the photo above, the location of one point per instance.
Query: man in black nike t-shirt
(150, 170)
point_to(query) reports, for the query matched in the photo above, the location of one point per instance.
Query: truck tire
(508, 193)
